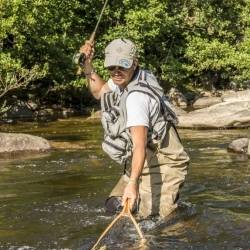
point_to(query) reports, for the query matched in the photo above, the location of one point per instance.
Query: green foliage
(14, 76)
(202, 42)
(36, 42)
(186, 41)
(42, 34)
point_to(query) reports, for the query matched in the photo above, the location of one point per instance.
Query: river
(55, 200)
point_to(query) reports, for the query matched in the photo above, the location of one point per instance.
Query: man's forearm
(137, 165)
(139, 138)
(95, 82)
(131, 190)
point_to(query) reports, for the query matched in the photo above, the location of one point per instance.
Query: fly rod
(79, 58)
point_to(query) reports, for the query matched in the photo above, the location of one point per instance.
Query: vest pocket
(117, 149)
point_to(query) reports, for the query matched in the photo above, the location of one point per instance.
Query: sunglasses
(117, 68)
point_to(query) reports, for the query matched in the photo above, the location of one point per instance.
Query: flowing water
(55, 200)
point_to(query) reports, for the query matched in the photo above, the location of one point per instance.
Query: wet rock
(13, 142)
(205, 93)
(66, 112)
(7, 121)
(241, 145)
(206, 101)
(46, 115)
(222, 115)
(32, 105)
(20, 111)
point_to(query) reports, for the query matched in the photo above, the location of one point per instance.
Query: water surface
(55, 200)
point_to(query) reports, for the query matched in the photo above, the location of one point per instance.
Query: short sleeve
(137, 106)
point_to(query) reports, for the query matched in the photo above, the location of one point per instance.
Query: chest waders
(166, 161)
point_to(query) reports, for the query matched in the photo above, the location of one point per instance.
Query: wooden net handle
(125, 212)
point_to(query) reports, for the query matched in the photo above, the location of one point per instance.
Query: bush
(200, 42)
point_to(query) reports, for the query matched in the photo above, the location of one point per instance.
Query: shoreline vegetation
(189, 46)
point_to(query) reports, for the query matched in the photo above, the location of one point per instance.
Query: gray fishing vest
(117, 140)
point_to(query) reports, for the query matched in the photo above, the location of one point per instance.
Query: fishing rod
(79, 58)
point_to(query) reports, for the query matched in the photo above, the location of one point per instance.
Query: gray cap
(120, 52)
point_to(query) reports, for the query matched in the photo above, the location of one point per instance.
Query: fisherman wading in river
(139, 132)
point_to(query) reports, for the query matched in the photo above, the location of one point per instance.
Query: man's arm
(97, 85)
(139, 139)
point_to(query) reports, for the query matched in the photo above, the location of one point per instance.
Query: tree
(199, 42)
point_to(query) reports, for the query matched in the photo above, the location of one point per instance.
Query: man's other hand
(131, 193)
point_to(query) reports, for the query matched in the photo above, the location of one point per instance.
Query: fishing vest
(117, 139)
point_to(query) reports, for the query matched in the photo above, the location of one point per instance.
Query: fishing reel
(79, 59)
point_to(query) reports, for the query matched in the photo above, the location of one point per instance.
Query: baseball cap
(120, 52)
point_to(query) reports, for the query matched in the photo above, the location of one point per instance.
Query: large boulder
(13, 142)
(178, 111)
(241, 145)
(222, 115)
(232, 96)
(206, 101)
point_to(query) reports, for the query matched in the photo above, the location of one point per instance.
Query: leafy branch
(13, 76)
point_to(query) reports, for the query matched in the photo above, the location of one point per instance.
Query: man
(140, 131)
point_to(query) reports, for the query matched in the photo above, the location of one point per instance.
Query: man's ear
(135, 64)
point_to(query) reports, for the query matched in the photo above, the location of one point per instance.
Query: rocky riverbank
(229, 110)
(29, 111)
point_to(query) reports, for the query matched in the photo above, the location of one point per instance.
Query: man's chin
(118, 82)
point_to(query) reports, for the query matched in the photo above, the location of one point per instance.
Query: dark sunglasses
(117, 68)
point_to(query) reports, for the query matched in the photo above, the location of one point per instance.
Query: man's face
(121, 76)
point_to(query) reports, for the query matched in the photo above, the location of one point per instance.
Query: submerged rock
(241, 145)
(14, 142)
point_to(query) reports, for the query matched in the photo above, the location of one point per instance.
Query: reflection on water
(55, 200)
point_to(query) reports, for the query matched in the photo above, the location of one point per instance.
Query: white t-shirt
(140, 107)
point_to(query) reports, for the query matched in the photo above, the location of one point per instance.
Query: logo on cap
(124, 63)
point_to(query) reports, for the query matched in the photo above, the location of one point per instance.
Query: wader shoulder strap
(163, 105)
(140, 90)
